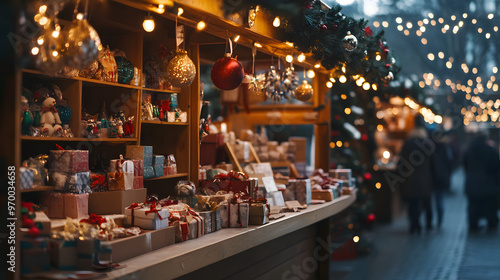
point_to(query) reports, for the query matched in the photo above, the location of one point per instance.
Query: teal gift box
(158, 161)
(149, 172)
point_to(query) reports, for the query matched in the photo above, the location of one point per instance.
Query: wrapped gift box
(76, 206)
(212, 220)
(63, 253)
(158, 162)
(120, 181)
(34, 255)
(189, 200)
(145, 219)
(55, 205)
(98, 182)
(258, 214)
(87, 250)
(196, 226)
(73, 183)
(42, 223)
(69, 161)
(326, 195)
(302, 190)
(144, 153)
(149, 172)
(212, 149)
(214, 186)
(181, 231)
(138, 182)
(118, 165)
(26, 178)
(234, 215)
(114, 202)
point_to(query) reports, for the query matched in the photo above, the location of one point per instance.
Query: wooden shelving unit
(39, 189)
(178, 175)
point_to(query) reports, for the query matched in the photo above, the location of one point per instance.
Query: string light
(289, 58)
(276, 22)
(301, 57)
(148, 24)
(201, 25)
(180, 11)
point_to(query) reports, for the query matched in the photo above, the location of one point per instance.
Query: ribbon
(152, 209)
(132, 207)
(94, 219)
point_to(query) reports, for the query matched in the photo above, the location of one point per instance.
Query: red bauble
(34, 232)
(387, 65)
(367, 176)
(323, 28)
(364, 137)
(370, 218)
(386, 50)
(368, 31)
(227, 73)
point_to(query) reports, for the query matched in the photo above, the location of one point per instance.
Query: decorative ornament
(368, 31)
(227, 73)
(181, 70)
(350, 42)
(304, 92)
(272, 86)
(252, 14)
(47, 50)
(290, 81)
(256, 85)
(64, 113)
(82, 44)
(125, 69)
(323, 28)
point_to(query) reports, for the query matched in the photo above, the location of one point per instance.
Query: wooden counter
(243, 249)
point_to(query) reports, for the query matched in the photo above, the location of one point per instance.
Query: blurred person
(415, 169)
(482, 166)
(442, 167)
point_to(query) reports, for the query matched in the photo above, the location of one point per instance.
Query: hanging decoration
(304, 92)
(272, 85)
(290, 81)
(82, 42)
(181, 70)
(227, 72)
(350, 42)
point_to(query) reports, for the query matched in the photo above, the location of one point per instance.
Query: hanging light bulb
(301, 57)
(236, 38)
(311, 74)
(201, 25)
(276, 22)
(149, 23)
(289, 58)
(161, 8)
(317, 65)
(180, 11)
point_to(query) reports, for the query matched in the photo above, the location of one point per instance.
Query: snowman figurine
(50, 122)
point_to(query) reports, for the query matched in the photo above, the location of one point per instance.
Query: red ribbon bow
(49, 109)
(152, 209)
(94, 219)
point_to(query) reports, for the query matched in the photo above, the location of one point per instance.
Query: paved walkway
(450, 253)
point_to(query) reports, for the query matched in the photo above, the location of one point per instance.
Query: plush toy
(50, 122)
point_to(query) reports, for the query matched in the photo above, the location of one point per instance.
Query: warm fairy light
(409, 25)
(55, 33)
(441, 55)
(399, 20)
(339, 143)
(289, 44)
(332, 145)
(42, 9)
(329, 84)
(374, 87)
(424, 41)
(355, 239)
(441, 20)
(479, 30)
(494, 70)
(464, 15)
(342, 79)
(430, 15)
(430, 56)
(347, 111)
(407, 32)
(453, 17)
(289, 58)
(236, 38)
(276, 22)
(258, 45)
(376, 24)
(366, 86)
(301, 57)
(400, 27)
(317, 65)
(40, 41)
(79, 16)
(180, 11)
(148, 24)
(201, 25)
(55, 53)
(380, 127)
(487, 35)
(474, 21)
(378, 185)
(385, 24)
(378, 57)
(490, 16)
(161, 8)
(343, 96)
(35, 50)
(343, 69)
(422, 29)
(43, 21)
(311, 74)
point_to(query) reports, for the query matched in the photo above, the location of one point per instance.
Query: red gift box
(69, 161)
(212, 187)
(138, 182)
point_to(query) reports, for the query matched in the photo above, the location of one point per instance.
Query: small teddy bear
(50, 122)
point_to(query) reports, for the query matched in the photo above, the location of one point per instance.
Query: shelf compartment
(65, 139)
(162, 90)
(178, 175)
(163, 123)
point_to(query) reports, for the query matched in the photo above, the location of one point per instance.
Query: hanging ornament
(350, 42)
(47, 50)
(304, 92)
(227, 73)
(181, 70)
(290, 81)
(82, 43)
(256, 85)
(323, 28)
(64, 112)
(252, 15)
(272, 86)
(368, 31)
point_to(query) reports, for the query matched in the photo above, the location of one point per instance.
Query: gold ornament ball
(181, 70)
(304, 92)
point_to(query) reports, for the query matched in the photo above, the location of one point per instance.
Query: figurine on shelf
(163, 107)
(113, 131)
(50, 122)
(66, 132)
(128, 127)
(119, 128)
(27, 117)
(147, 108)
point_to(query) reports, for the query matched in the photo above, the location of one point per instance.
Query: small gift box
(138, 182)
(259, 214)
(196, 225)
(181, 231)
(158, 161)
(87, 250)
(34, 255)
(146, 217)
(76, 206)
(212, 220)
(42, 223)
(26, 178)
(170, 116)
(149, 172)
(72, 183)
(144, 153)
(183, 117)
(69, 161)
(189, 200)
(302, 190)
(326, 195)
(55, 205)
(98, 182)
(120, 181)
(63, 253)
(138, 167)
(234, 215)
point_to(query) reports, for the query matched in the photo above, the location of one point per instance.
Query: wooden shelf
(65, 139)
(86, 81)
(163, 123)
(39, 189)
(161, 90)
(178, 175)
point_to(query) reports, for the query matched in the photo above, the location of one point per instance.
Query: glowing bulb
(42, 9)
(386, 154)
(236, 38)
(490, 16)
(40, 40)
(399, 20)
(380, 127)
(201, 25)
(301, 57)
(180, 11)
(317, 65)
(55, 53)
(257, 45)
(339, 143)
(276, 22)
(355, 239)
(148, 24)
(342, 79)
(43, 21)
(347, 111)
(366, 86)
(311, 74)
(289, 58)
(374, 87)
(378, 185)
(430, 15)
(378, 57)
(329, 84)
(79, 16)
(55, 33)
(161, 8)
(35, 50)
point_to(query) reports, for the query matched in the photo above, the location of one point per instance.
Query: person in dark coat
(415, 167)
(482, 168)
(442, 160)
